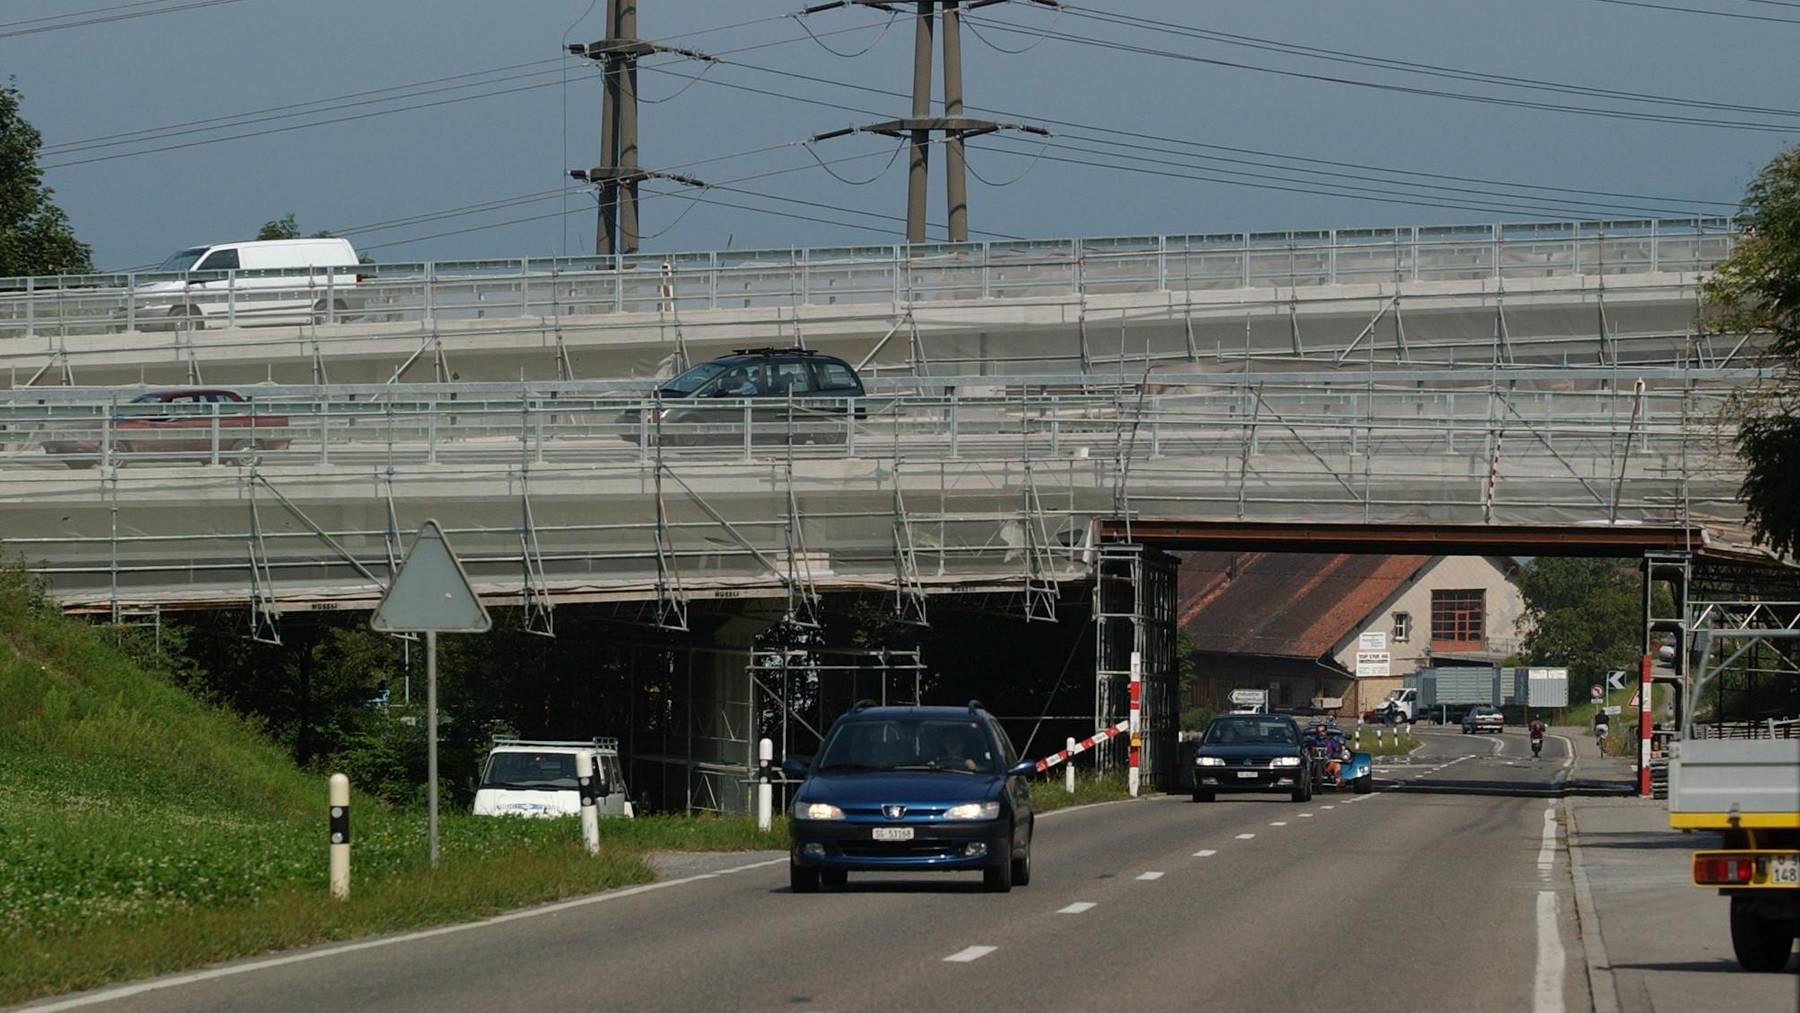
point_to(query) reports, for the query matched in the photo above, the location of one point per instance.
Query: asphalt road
(1406, 899)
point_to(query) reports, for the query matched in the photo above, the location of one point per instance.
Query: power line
(1697, 10)
(1181, 141)
(1407, 89)
(101, 17)
(1411, 66)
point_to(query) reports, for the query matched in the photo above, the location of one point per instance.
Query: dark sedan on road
(785, 395)
(1252, 752)
(912, 789)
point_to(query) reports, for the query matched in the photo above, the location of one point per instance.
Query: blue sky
(493, 139)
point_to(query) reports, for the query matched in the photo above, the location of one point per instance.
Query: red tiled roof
(1284, 604)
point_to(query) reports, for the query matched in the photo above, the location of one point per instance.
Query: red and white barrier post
(1069, 771)
(1134, 775)
(1644, 728)
(1081, 747)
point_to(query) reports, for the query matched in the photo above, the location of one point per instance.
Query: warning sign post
(430, 595)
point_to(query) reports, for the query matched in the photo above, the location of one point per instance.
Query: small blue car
(912, 789)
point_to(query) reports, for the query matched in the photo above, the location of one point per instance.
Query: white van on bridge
(265, 282)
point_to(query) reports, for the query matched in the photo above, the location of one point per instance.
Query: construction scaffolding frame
(1134, 597)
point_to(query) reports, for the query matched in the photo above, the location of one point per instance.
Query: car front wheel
(1021, 867)
(1201, 795)
(998, 879)
(1302, 791)
(802, 880)
(833, 877)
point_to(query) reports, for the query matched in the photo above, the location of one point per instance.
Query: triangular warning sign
(430, 594)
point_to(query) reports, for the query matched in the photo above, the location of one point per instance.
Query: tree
(1585, 615)
(1757, 290)
(35, 237)
(286, 227)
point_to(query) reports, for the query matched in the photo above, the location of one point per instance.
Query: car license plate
(893, 833)
(1785, 869)
(1246, 773)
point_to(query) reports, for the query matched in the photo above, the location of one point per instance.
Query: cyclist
(1601, 728)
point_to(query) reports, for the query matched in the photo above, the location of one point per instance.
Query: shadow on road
(1695, 967)
(858, 885)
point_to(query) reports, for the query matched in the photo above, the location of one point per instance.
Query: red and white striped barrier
(1137, 706)
(1644, 727)
(1083, 746)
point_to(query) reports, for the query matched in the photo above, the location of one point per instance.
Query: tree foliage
(286, 227)
(35, 237)
(1585, 615)
(1757, 290)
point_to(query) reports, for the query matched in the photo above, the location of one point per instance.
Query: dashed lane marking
(1150, 875)
(970, 954)
(1245, 837)
(1205, 853)
(1306, 816)
(1328, 807)
(1278, 823)
(1547, 995)
(1077, 907)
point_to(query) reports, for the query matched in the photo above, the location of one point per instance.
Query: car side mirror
(794, 769)
(1024, 768)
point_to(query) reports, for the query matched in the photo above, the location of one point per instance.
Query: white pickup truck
(530, 777)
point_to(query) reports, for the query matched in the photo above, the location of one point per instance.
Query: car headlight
(1208, 761)
(817, 811)
(973, 811)
(1286, 761)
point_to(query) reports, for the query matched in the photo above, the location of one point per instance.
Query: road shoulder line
(1601, 985)
(232, 970)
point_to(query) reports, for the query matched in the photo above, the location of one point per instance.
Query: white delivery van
(266, 282)
(526, 777)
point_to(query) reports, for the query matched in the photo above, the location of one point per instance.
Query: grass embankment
(1050, 793)
(142, 832)
(1388, 743)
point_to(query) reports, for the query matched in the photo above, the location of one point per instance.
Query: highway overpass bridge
(1523, 389)
(1554, 293)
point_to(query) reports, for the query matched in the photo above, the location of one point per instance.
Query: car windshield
(1248, 732)
(555, 771)
(695, 378)
(181, 261)
(958, 745)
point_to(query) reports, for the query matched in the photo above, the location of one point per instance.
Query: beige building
(1340, 630)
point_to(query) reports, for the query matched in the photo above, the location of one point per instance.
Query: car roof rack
(593, 743)
(862, 705)
(974, 705)
(770, 350)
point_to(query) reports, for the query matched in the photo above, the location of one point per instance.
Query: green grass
(143, 832)
(1050, 794)
(1390, 742)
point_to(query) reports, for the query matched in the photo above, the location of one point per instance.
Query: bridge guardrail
(71, 305)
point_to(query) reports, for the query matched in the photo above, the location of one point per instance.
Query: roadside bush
(1195, 719)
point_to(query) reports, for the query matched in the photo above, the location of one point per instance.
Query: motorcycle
(1537, 745)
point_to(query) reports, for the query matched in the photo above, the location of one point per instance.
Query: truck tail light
(1721, 870)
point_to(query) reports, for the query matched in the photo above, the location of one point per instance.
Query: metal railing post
(524, 286)
(955, 411)
(431, 425)
(31, 307)
(215, 432)
(850, 427)
(1655, 245)
(749, 455)
(131, 302)
(106, 436)
(230, 301)
(430, 290)
(537, 412)
(325, 434)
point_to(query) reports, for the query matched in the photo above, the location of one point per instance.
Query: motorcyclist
(1323, 745)
(1537, 737)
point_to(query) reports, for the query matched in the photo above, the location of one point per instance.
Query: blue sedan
(912, 789)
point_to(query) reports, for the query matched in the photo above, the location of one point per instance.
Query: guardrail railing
(68, 305)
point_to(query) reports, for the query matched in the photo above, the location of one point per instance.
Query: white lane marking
(1568, 751)
(972, 953)
(1547, 995)
(1278, 823)
(157, 984)
(1205, 853)
(1306, 816)
(1245, 837)
(1328, 807)
(1077, 907)
(1150, 875)
(1546, 858)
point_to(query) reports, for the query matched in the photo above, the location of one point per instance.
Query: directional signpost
(430, 595)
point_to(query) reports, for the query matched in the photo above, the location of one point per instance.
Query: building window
(1457, 619)
(1402, 627)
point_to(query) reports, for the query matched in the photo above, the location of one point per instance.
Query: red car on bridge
(184, 421)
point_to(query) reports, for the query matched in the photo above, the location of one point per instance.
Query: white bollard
(338, 796)
(1069, 768)
(588, 765)
(765, 792)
